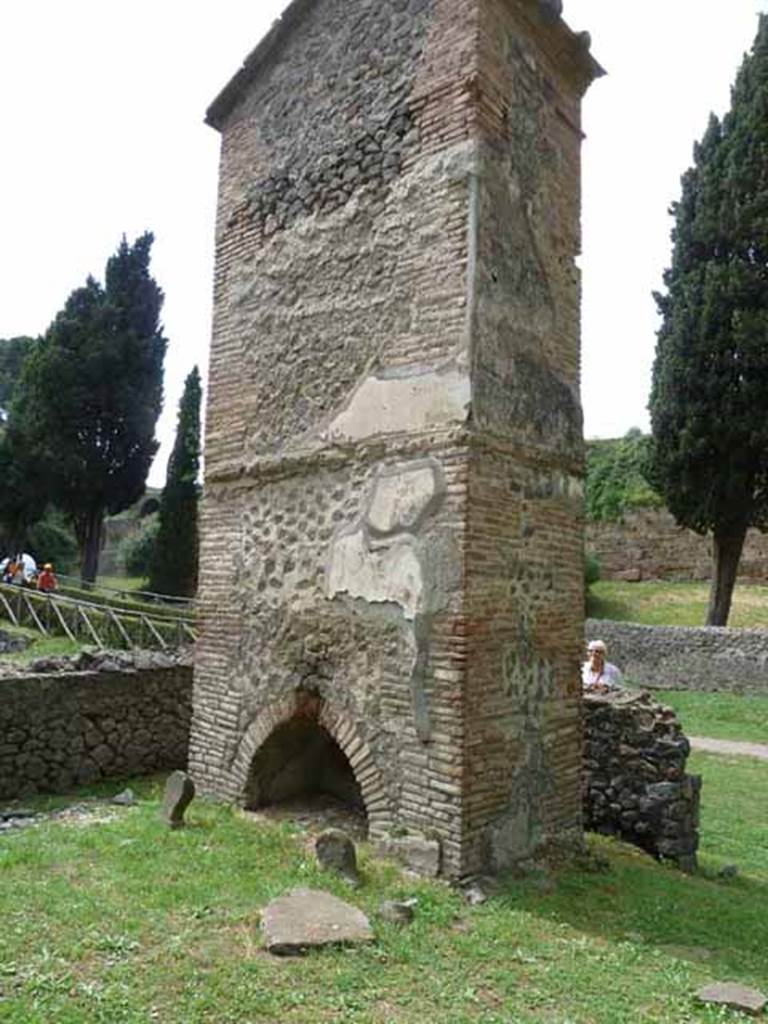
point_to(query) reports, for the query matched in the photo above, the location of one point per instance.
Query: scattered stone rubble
(11, 644)
(634, 780)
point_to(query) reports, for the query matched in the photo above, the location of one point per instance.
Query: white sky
(101, 108)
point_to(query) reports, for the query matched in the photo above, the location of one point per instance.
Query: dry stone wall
(634, 780)
(67, 728)
(687, 657)
(393, 423)
(647, 544)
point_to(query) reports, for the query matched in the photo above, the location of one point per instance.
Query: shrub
(591, 570)
(616, 477)
(137, 552)
(52, 540)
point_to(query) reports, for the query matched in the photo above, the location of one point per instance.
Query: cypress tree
(89, 396)
(709, 394)
(174, 565)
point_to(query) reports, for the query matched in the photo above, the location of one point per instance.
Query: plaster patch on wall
(390, 574)
(396, 405)
(379, 560)
(400, 499)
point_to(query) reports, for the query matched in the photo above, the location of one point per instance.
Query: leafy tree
(616, 479)
(90, 395)
(24, 493)
(710, 378)
(51, 540)
(174, 567)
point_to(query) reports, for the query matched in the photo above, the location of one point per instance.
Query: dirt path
(711, 746)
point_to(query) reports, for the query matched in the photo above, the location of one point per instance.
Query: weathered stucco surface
(392, 533)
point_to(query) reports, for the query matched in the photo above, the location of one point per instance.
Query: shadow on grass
(721, 923)
(608, 608)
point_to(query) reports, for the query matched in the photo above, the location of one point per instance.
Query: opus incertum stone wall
(68, 728)
(392, 529)
(647, 544)
(687, 657)
(634, 780)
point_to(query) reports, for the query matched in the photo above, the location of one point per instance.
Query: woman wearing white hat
(596, 672)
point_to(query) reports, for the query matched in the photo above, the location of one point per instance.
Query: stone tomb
(392, 543)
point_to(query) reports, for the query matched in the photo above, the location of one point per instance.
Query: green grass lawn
(124, 922)
(653, 603)
(39, 646)
(121, 582)
(724, 716)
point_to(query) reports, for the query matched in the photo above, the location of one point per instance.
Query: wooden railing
(95, 623)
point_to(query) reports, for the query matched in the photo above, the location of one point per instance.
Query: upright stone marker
(392, 519)
(336, 852)
(179, 791)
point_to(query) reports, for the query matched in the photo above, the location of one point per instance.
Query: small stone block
(308, 919)
(179, 791)
(734, 996)
(125, 799)
(336, 852)
(394, 912)
(419, 855)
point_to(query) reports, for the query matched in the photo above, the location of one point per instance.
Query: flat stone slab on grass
(737, 997)
(308, 919)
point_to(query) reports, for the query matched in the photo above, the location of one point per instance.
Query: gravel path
(710, 746)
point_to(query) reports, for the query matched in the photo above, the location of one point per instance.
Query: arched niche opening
(300, 760)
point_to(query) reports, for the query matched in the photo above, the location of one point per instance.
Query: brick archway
(344, 733)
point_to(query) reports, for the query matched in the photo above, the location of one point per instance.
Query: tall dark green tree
(90, 394)
(709, 397)
(13, 352)
(174, 566)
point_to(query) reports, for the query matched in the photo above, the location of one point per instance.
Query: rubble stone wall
(687, 657)
(634, 780)
(647, 544)
(68, 728)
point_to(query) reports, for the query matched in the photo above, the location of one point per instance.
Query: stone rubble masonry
(634, 780)
(65, 729)
(392, 529)
(704, 658)
(647, 544)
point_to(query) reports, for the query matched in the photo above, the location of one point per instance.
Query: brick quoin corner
(392, 535)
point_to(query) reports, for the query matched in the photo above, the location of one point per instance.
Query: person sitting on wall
(46, 581)
(597, 673)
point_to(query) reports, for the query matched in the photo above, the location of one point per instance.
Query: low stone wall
(65, 728)
(687, 657)
(634, 780)
(647, 544)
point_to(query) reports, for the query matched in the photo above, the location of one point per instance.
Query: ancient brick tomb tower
(392, 537)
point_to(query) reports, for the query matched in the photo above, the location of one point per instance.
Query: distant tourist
(597, 673)
(19, 571)
(46, 581)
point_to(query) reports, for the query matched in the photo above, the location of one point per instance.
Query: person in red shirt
(46, 581)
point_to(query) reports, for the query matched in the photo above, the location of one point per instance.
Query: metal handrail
(77, 582)
(119, 618)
